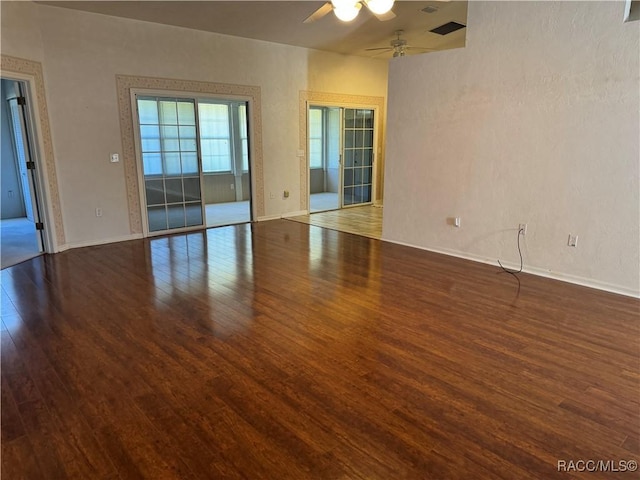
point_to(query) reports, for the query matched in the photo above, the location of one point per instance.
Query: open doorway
(324, 159)
(341, 146)
(20, 226)
(223, 128)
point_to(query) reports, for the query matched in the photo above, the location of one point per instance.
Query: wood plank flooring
(281, 350)
(365, 221)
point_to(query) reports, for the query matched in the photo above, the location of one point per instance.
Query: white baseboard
(283, 215)
(269, 217)
(295, 214)
(563, 277)
(103, 241)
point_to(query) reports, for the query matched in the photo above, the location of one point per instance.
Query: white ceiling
(281, 22)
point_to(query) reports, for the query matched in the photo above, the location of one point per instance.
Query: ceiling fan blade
(378, 54)
(319, 13)
(379, 48)
(384, 17)
(409, 47)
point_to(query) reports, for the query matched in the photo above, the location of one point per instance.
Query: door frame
(376, 151)
(377, 104)
(133, 93)
(50, 238)
(172, 86)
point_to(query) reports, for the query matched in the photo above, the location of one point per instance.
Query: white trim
(540, 272)
(266, 218)
(283, 215)
(104, 241)
(295, 214)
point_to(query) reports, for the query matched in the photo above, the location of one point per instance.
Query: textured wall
(535, 121)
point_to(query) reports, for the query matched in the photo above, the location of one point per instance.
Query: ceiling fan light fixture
(379, 7)
(346, 10)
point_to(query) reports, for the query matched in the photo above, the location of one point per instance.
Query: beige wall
(535, 121)
(82, 53)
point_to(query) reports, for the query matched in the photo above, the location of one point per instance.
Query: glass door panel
(168, 140)
(357, 173)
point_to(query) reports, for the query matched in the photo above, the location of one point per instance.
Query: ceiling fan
(347, 10)
(399, 46)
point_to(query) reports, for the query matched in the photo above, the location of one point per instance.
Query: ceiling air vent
(429, 9)
(447, 28)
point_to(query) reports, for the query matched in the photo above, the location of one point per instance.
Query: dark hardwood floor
(285, 351)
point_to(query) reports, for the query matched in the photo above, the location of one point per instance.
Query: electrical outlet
(98, 212)
(522, 228)
(232, 186)
(573, 241)
(271, 195)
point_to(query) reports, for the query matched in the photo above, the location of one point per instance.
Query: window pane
(175, 216)
(366, 175)
(361, 116)
(170, 141)
(150, 138)
(348, 158)
(192, 189)
(242, 121)
(357, 158)
(349, 139)
(215, 137)
(155, 192)
(347, 198)
(366, 193)
(348, 177)
(186, 113)
(357, 177)
(148, 111)
(168, 112)
(368, 138)
(174, 190)
(172, 163)
(245, 154)
(366, 157)
(315, 153)
(189, 162)
(316, 138)
(188, 139)
(194, 214)
(349, 118)
(152, 163)
(157, 218)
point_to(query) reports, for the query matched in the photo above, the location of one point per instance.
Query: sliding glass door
(171, 170)
(341, 157)
(357, 171)
(194, 161)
